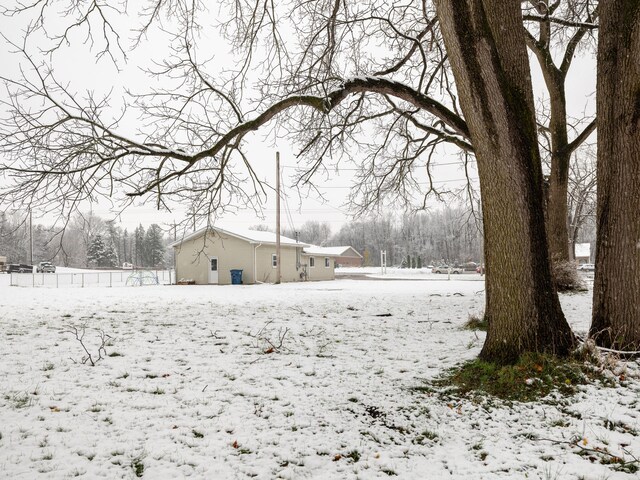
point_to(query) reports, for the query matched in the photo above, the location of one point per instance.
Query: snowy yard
(186, 389)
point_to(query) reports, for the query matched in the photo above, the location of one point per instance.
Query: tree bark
(486, 46)
(616, 292)
(557, 213)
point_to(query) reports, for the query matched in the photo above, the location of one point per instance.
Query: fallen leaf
(54, 409)
(337, 457)
(235, 444)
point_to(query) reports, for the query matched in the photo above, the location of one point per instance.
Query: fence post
(110, 280)
(33, 279)
(11, 281)
(57, 284)
(82, 279)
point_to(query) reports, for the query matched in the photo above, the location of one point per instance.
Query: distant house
(583, 253)
(319, 262)
(345, 256)
(207, 256)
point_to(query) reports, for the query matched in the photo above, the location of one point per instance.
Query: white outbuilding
(208, 256)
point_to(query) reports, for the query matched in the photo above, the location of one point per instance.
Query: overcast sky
(78, 66)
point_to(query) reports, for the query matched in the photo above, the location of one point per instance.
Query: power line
(417, 183)
(340, 169)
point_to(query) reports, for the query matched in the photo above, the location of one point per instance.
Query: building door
(213, 270)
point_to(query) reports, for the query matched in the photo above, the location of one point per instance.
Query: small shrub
(566, 277)
(197, 434)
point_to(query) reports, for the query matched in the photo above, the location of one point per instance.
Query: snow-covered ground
(186, 389)
(395, 273)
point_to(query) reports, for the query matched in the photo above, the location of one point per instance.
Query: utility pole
(31, 237)
(278, 271)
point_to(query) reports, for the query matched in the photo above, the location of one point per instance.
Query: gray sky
(79, 67)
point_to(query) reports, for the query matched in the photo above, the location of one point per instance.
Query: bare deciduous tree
(557, 30)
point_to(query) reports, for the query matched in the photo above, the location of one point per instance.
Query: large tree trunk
(616, 292)
(486, 47)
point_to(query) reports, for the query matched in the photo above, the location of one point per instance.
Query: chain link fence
(118, 278)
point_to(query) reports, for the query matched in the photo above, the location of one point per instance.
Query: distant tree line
(450, 235)
(88, 241)
(447, 235)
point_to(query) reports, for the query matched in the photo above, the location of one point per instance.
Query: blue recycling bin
(236, 277)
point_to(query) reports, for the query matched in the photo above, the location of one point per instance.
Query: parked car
(587, 267)
(19, 268)
(447, 269)
(480, 269)
(127, 266)
(3, 264)
(45, 267)
(470, 267)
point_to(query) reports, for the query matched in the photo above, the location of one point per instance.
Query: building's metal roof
(343, 251)
(251, 236)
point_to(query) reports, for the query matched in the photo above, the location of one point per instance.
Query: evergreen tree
(139, 256)
(154, 247)
(113, 239)
(101, 253)
(126, 248)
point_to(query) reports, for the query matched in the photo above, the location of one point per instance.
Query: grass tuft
(354, 455)
(476, 322)
(137, 466)
(533, 377)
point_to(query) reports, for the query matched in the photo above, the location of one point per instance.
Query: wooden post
(278, 271)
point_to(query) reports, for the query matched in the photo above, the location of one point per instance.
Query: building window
(326, 262)
(312, 262)
(274, 260)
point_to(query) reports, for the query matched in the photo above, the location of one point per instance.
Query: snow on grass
(186, 389)
(396, 273)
